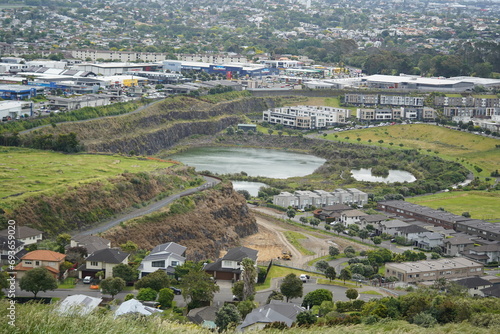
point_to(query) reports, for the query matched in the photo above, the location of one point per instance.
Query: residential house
(41, 258)
(25, 234)
(429, 240)
(229, 266)
(204, 316)
(352, 217)
(455, 246)
(474, 285)
(163, 257)
(275, 311)
(411, 232)
(91, 243)
(390, 227)
(78, 305)
(484, 254)
(14, 248)
(373, 220)
(102, 260)
(331, 213)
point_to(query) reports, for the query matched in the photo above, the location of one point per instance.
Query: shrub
(165, 297)
(146, 294)
(424, 319)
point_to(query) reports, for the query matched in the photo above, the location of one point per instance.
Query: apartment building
(306, 117)
(320, 198)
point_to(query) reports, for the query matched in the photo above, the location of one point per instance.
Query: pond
(253, 161)
(251, 187)
(365, 174)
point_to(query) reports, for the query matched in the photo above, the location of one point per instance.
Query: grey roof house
(229, 267)
(276, 311)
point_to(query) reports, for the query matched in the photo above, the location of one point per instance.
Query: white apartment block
(320, 198)
(306, 117)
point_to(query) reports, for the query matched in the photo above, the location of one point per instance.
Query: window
(175, 263)
(27, 262)
(158, 264)
(94, 263)
(37, 263)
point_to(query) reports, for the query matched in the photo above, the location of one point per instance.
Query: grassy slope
(481, 205)
(27, 170)
(36, 318)
(451, 144)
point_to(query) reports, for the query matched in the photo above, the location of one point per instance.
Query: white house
(102, 260)
(429, 240)
(457, 245)
(25, 234)
(484, 254)
(474, 285)
(229, 267)
(352, 217)
(391, 227)
(163, 257)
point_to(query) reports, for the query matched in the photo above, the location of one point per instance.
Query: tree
(129, 247)
(314, 221)
(36, 280)
(352, 294)
(230, 131)
(291, 287)
(156, 281)
(363, 234)
(333, 251)
(126, 272)
(112, 286)
(377, 240)
(63, 240)
(244, 193)
(338, 227)
(275, 295)
(316, 297)
(303, 220)
(147, 294)
(248, 276)
(199, 287)
(349, 252)
(306, 318)
(245, 307)
(4, 283)
(322, 265)
(237, 290)
(165, 297)
(290, 213)
(330, 273)
(227, 317)
(345, 274)
(181, 271)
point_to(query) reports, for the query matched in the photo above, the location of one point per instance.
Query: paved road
(209, 182)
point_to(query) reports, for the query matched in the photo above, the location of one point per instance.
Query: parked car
(87, 280)
(304, 278)
(176, 290)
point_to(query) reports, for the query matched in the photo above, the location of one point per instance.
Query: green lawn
(371, 292)
(337, 282)
(25, 171)
(68, 283)
(294, 238)
(480, 205)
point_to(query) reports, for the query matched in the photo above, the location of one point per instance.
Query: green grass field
(466, 148)
(294, 238)
(25, 171)
(480, 205)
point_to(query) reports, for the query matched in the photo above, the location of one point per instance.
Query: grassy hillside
(36, 318)
(480, 205)
(471, 149)
(27, 171)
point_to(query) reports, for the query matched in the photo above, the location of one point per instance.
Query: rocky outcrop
(161, 125)
(218, 221)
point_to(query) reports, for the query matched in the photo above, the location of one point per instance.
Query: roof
(217, 266)
(394, 223)
(78, 304)
(238, 254)
(473, 282)
(44, 255)
(108, 255)
(354, 213)
(374, 218)
(22, 232)
(135, 306)
(91, 242)
(493, 291)
(276, 311)
(201, 314)
(487, 248)
(458, 241)
(412, 229)
(170, 247)
(5, 245)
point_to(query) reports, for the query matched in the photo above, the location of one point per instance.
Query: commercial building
(10, 110)
(431, 270)
(306, 117)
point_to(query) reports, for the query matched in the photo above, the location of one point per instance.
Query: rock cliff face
(220, 218)
(161, 125)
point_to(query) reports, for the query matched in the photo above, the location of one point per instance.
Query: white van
(87, 280)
